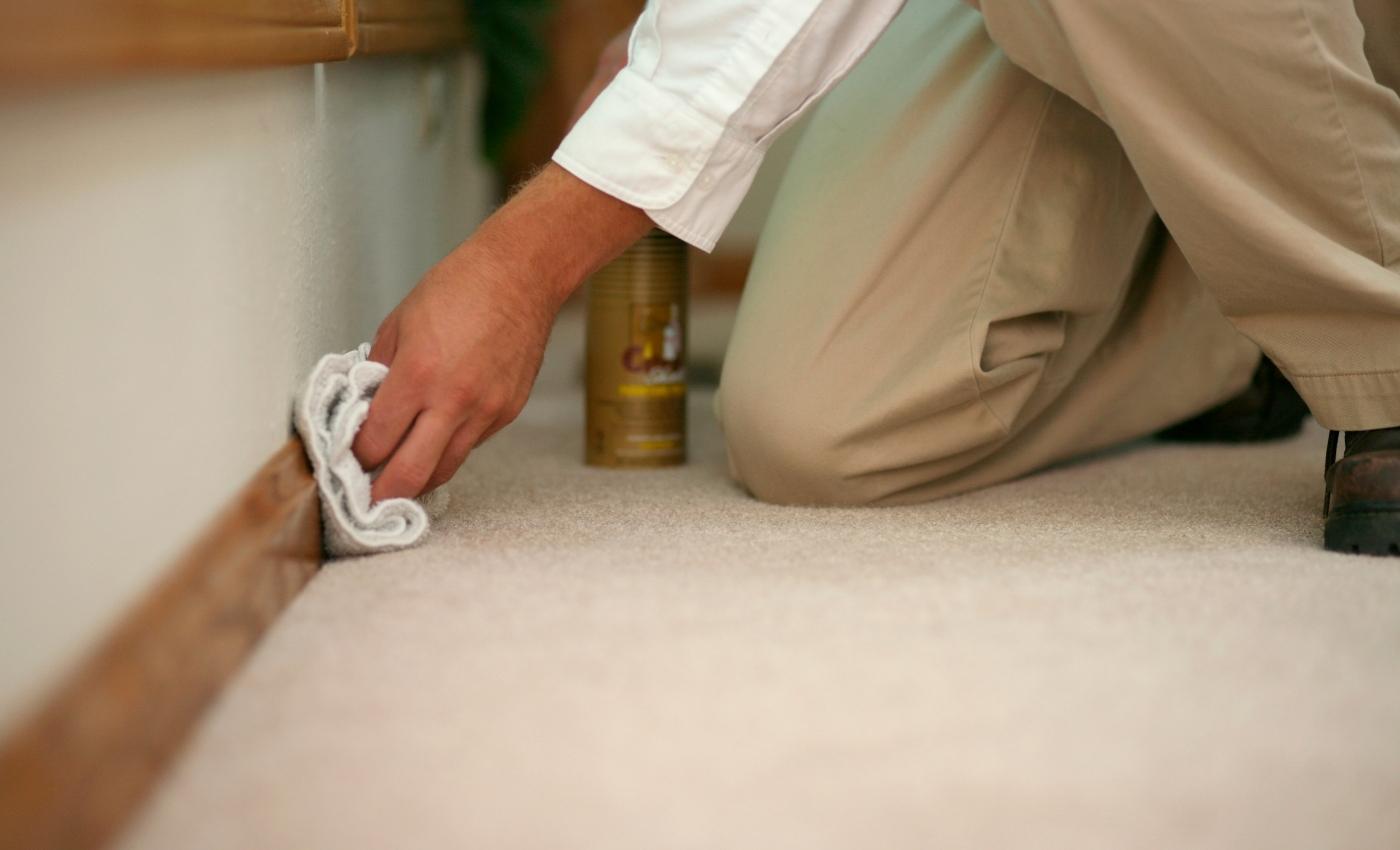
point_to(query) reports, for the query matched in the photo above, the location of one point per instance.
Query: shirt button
(673, 162)
(705, 181)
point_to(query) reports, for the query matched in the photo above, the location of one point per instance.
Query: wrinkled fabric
(332, 407)
(708, 86)
(969, 274)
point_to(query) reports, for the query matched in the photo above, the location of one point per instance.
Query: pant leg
(1381, 19)
(962, 281)
(1272, 153)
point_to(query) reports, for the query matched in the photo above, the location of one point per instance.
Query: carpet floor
(1144, 649)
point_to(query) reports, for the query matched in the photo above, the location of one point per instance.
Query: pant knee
(783, 450)
(797, 440)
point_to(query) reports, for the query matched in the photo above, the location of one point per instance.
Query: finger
(386, 340)
(468, 437)
(461, 447)
(414, 461)
(391, 413)
(501, 422)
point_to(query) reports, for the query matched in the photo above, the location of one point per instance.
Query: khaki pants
(1015, 236)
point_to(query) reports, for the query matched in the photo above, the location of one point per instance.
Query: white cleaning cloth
(329, 413)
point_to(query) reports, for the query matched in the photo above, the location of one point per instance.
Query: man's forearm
(559, 230)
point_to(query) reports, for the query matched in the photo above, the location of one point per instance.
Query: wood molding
(62, 39)
(59, 39)
(74, 772)
(409, 26)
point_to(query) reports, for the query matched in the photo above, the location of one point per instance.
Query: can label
(636, 391)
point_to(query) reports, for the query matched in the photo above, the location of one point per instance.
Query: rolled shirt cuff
(647, 147)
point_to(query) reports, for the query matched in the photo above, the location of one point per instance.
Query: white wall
(174, 254)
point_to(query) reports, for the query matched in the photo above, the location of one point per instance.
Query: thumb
(386, 340)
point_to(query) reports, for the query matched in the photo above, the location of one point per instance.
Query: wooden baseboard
(409, 26)
(69, 39)
(45, 41)
(73, 774)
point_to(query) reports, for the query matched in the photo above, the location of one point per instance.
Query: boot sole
(1364, 529)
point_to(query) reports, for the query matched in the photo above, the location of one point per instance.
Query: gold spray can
(635, 400)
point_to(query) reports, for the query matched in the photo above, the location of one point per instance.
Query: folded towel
(329, 413)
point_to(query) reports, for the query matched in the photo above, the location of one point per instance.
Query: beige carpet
(1145, 649)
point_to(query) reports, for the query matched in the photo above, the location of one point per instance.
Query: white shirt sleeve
(708, 86)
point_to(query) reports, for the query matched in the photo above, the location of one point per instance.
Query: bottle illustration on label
(671, 337)
(654, 362)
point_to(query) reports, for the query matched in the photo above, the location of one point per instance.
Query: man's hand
(463, 350)
(464, 347)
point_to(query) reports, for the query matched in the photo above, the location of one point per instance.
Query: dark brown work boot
(1268, 409)
(1362, 505)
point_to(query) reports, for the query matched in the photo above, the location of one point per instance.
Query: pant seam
(1346, 131)
(1022, 172)
(1347, 374)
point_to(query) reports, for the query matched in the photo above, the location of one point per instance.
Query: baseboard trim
(73, 774)
(409, 26)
